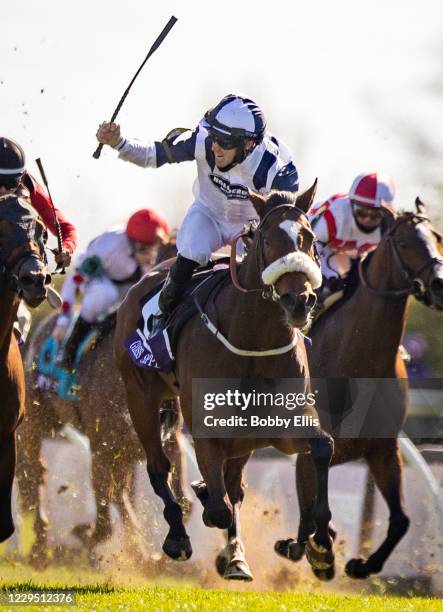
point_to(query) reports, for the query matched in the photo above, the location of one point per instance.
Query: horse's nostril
(436, 286)
(311, 301)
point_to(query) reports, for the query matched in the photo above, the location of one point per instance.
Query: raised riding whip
(154, 47)
(38, 161)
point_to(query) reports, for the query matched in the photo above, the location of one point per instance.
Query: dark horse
(23, 274)
(280, 265)
(360, 338)
(100, 414)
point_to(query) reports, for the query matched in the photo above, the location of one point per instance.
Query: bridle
(416, 286)
(268, 291)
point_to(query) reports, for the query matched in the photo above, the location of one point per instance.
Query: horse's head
(284, 244)
(23, 262)
(418, 252)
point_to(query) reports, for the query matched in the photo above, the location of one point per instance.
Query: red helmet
(372, 189)
(145, 226)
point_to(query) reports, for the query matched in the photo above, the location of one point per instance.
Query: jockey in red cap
(347, 226)
(112, 263)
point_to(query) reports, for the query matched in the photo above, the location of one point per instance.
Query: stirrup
(156, 324)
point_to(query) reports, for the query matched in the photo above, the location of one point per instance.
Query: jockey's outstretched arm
(151, 155)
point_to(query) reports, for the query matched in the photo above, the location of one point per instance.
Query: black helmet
(12, 157)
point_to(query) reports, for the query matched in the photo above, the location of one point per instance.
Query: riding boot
(330, 292)
(173, 290)
(79, 332)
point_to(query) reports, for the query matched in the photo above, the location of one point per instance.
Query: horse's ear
(305, 200)
(258, 202)
(420, 206)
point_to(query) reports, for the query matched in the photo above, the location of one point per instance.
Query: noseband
(416, 286)
(267, 290)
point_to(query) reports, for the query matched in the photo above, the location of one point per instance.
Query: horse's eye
(266, 242)
(402, 244)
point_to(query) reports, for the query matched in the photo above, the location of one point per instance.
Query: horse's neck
(9, 302)
(254, 322)
(385, 316)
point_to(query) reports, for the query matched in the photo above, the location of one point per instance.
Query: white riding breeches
(201, 234)
(100, 296)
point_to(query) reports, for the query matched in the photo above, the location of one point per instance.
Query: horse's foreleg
(7, 469)
(319, 546)
(306, 482)
(218, 511)
(145, 419)
(32, 476)
(231, 561)
(386, 467)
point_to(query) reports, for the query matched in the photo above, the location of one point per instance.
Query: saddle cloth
(157, 352)
(50, 377)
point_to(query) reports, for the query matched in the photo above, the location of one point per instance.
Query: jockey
(347, 226)
(14, 179)
(234, 153)
(113, 262)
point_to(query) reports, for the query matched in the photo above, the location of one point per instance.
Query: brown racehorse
(100, 415)
(252, 323)
(360, 338)
(23, 275)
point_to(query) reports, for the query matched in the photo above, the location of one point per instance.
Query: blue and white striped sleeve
(169, 151)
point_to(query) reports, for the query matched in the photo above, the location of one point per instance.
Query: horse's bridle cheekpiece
(416, 286)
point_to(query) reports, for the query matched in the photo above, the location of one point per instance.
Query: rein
(416, 286)
(244, 352)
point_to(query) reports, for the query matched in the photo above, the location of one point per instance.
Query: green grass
(98, 591)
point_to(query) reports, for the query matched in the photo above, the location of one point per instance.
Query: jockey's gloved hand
(109, 133)
(62, 258)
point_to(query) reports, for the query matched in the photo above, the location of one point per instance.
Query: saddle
(157, 352)
(49, 376)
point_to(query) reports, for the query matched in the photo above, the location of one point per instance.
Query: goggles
(365, 212)
(224, 143)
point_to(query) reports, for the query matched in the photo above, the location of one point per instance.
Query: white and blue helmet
(236, 118)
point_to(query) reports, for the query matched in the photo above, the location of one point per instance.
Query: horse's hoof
(179, 550)
(83, 532)
(320, 558)
(325, 575)
(289, 549)
(218, 517)
(6, 531)
(238, 570)
(201, 491)
(357, 568)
